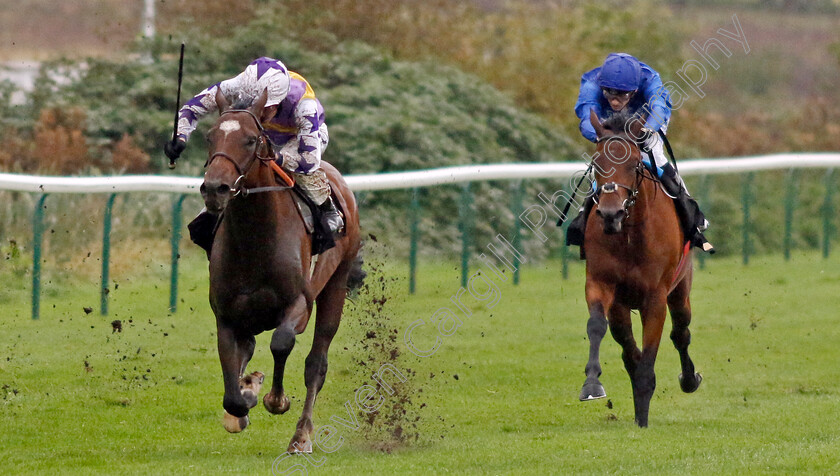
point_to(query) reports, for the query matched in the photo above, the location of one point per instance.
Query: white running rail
(419, 178)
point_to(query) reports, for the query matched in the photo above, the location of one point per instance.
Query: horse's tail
(357, 275)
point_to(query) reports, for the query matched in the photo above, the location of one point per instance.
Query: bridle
(263, 143)
(612, 187)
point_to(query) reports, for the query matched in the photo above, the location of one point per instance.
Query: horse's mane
(242, 101)
(618, 122)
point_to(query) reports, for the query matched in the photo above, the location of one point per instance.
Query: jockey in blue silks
(623, 84)
(293, 120)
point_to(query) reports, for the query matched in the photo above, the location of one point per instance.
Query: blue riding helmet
(620, 71)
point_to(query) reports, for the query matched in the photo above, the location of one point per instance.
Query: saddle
(310, 213)
(312, 216)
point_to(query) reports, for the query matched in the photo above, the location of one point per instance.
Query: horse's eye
(251, 140)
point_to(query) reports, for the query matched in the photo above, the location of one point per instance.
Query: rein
(262, 143)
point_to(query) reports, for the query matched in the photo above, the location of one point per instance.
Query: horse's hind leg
(596, 328)
(330, 304)
(680, 306)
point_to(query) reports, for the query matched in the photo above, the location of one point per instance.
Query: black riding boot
(332, 218)
(203, 230)
(329, 226)
(691, 218)
(577, 228)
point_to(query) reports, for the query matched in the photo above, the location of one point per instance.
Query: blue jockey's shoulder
(649, 75)
(590, 76)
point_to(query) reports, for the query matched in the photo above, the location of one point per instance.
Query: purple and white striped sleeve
(196, 108)
(309, 141)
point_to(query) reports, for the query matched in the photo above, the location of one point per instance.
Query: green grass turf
(79, 398)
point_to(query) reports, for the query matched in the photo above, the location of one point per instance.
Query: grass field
(498, 397)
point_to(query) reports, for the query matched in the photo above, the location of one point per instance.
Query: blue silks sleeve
(588, 100)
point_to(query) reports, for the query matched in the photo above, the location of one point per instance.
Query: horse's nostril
(598, 212)
(224, 189)
(202, 189)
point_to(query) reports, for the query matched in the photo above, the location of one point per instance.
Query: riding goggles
(617, 93)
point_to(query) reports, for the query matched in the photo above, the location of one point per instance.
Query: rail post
(746, 197)
(414, 230)
(516, 208)
(828, 212)
(106, 254)
(465, 223)
(37, 242)
(564, 250)
(176, 255)
(790, 205)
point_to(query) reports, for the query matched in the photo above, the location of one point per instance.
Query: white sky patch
(229, 126)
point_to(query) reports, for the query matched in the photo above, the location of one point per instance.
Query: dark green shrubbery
(384, 115)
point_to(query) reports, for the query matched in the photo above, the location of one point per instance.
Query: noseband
(262, 142)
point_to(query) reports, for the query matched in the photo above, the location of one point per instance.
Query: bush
(384, 115)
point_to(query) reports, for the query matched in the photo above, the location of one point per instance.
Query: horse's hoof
(234, 424)
(592, 391)
(275, 407)
(300, 444)
(690, 385)
(252, 381)
(249, 387)
(250, 398)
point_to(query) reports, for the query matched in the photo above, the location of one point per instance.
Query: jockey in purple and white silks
(295, 126)
(623, 84)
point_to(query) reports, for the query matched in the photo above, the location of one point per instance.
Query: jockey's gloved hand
(648, 139)
(173, 149)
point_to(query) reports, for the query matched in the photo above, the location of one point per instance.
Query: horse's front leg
(644, 379)
(282, 343)
(235, 351)
(599, 300)
(596, 328)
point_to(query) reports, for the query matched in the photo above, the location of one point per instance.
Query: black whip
(177, 103)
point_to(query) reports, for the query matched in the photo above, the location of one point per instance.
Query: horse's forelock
(618, 122)
(243, 101)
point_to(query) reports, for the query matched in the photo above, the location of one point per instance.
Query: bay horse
(637, 258)
(260, 277)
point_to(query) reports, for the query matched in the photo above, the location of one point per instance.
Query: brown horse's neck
(271, 217)
(644, 199)
(651, 205)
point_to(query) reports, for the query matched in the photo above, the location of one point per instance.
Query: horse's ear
(221, 101)
(636, 125)
(259, 104)
(596, 123)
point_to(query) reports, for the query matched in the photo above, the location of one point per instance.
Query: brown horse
(260, 268)
(636, 259)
